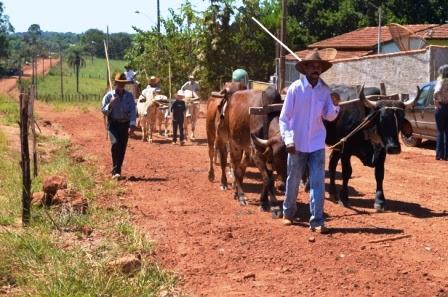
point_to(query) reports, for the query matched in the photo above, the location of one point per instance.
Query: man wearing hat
(191, 85)
(308, 102)
(119, 107)
(153, 86)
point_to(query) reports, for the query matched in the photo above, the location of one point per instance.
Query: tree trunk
(77, 78)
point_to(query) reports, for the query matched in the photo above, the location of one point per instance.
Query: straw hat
(314, 56)
(154, 80)
(191, 76)
(121, 78)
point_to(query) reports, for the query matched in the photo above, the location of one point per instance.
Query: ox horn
(261, 143)
(410, 103)
(367, 103)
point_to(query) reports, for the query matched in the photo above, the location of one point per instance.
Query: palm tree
(76, 60)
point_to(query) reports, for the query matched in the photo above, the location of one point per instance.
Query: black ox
(368, 130)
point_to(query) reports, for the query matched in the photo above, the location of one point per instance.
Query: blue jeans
(296, 165)
(441, 115)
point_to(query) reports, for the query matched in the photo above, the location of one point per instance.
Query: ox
(239, 126)
(216, 134)
(192, 102)
(163, 114)
(147, 114)
(368, 130)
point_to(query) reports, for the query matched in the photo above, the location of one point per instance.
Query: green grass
(9, 111)
(93, 78)
(39, 260)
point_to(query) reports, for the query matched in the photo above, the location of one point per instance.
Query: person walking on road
(119, 107)
(178, 110)
(441, 113)
(308, 102)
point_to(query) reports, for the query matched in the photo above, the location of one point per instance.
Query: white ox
(163, 114)
(192, 102)
(147, 114)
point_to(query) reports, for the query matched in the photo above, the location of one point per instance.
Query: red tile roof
(438, 32)
(365, 38)
(340, 54)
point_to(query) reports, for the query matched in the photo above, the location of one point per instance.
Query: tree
(119, 43)
(92, 40)
(5, 29)
(76, 60)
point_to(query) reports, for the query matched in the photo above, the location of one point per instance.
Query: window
(425, 96)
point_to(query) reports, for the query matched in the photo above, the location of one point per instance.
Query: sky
(78, 16)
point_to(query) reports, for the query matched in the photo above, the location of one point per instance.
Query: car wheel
(407, 136)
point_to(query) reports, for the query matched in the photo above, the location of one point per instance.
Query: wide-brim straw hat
(154, 80)
(315, 56)
(121, 78)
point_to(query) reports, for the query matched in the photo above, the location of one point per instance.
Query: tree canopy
(5, 29)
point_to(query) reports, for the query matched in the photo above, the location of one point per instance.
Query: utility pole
(158, 16)
(379, 30)
(281, 80)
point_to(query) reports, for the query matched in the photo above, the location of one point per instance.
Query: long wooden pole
(109, 80)
(108, 65)
(276, 39)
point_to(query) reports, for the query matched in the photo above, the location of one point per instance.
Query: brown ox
(216, 134)
(237, 127)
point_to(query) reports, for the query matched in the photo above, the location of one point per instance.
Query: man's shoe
(174, 142)
(320, 229)
(182, 142)
(116, 176)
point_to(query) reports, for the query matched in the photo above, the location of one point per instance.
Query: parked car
(420, 121)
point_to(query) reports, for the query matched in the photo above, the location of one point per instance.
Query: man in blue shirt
(307, 104)
(119, 107)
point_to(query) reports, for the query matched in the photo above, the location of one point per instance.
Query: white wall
(401, 72)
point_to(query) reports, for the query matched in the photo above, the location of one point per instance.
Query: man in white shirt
(191, 85)
(308, 102)
(130, 74)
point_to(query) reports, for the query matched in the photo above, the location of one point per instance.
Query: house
(357, 48)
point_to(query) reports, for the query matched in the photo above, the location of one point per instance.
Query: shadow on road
(133, 178)
(367, 230)
(401, 207)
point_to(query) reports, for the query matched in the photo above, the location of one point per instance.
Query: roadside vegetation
(66, 253)
(92, 81)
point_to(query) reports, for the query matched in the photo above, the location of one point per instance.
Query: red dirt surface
(219, 248)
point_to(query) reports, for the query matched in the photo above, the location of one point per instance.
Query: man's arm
(107, 103)
(285, 121)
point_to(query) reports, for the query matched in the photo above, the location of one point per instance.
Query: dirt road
(219, 248)
(222, 249)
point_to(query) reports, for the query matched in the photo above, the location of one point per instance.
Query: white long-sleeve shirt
(301, 118)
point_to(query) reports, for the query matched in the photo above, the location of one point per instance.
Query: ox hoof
(211, 177)
(265, 208)
(224, 187)
(344, 203)
(150, 141)
(242, 201)
(379, 207)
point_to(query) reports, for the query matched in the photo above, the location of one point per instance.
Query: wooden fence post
(25, 160)
(33, 129)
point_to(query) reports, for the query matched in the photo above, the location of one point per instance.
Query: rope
(364, 123)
